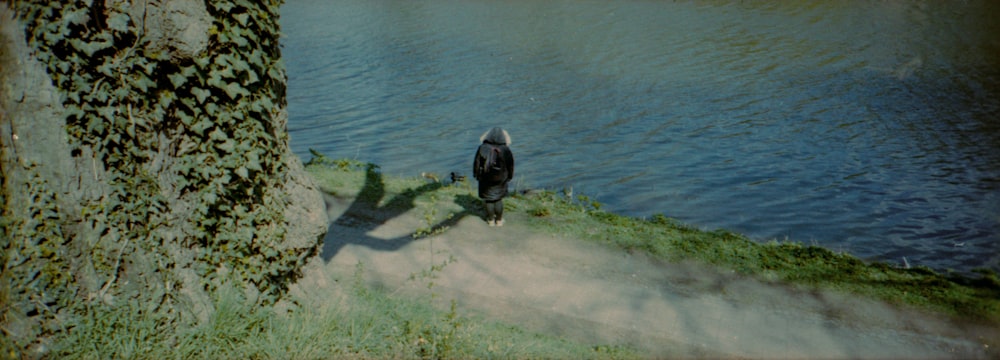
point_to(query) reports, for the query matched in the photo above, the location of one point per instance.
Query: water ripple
(864, 127)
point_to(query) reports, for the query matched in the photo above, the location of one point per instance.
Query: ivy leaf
(225, 61)
(223, 181)
(177, 79)
(144, 82)
(275, 74)
(224, 117)
(105, 68)
(118, 21)
(74, 95)
(141, 122)
(240, 40)
(72, 111)
(223, 5)
(107, 112)
(217, 77)
(253, 161)
(202, 61)
(91, 47)
(185, 118)
(95, 126)
(121, 92)
(243, 173)
(211, 198)
(78, 16)
(101, 94)
(227, 146)
(211, 108)
(233, 90)
(208, 172)
(201, 94)
(242, 18)
(88, 48)
(200, 127)
(188, 71)
(218, 135)
(252, 77)
(256, 57)
(190, 104)
(240, 65)
(246, 4)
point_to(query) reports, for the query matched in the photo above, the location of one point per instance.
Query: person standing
(494, 167)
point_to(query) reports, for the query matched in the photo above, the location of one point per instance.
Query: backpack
(493, 166)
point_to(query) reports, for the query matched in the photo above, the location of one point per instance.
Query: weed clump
(540, 211)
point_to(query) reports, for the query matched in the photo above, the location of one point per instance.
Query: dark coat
(489, 189)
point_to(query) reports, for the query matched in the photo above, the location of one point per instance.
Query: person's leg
(490, 212)
(499, 212)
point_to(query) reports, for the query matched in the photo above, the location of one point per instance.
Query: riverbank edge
(964, 298)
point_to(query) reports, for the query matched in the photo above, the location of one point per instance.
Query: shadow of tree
(365, 214)
(470, 206)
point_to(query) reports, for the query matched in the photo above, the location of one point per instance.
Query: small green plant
(430, 221)
(430, 274)
(588, 203)
(439, 338)
(320, 159)
(430, 229)
(540, 211)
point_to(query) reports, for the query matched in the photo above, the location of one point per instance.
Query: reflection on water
(872, 128)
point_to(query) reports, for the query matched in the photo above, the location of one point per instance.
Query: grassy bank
(786, 262)
(364, 322)
(812, 267)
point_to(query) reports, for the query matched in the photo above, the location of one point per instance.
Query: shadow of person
(365, 214)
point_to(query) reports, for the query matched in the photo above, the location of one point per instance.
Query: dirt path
(583, 291)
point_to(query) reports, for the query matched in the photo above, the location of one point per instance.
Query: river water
(866, 127)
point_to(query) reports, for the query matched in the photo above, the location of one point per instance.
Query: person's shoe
(499, 223)
(491, 223)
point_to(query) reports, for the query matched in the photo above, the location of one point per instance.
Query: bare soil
(592, 294)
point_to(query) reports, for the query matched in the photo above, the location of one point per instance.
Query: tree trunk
(145, 156)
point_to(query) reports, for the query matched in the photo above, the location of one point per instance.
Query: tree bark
(144, 153)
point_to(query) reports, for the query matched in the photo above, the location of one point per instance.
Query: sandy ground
(588, 293)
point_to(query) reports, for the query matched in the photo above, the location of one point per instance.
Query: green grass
(371, 323)
(975, 298)
(792, 263)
